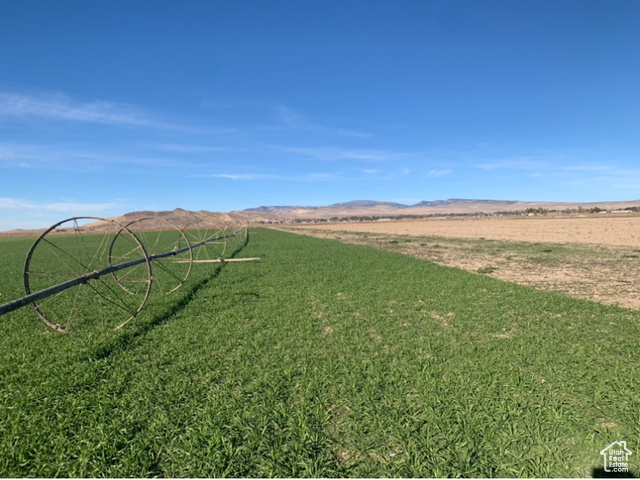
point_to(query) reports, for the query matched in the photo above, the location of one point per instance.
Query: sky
(108, 107)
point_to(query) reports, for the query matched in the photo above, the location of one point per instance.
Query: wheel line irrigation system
(94, 270)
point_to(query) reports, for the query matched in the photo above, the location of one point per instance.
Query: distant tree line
(378, 218)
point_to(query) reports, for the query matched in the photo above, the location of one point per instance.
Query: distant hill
(356, 208)
(370, 208)
(178, 217)
(458, 204)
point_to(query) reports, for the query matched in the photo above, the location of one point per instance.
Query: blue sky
(108, 107)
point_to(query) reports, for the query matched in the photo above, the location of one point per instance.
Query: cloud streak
(239, 176)
(341, 154)
(263, 176)
(190, 148)
(544, 167)
(608, 175)
(57, 107)
(60, 207)
(439, 173)
(293, 120)
(61, 107)
(85, 158)
(523, 163)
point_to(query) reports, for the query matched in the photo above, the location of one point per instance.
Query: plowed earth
(593, 257)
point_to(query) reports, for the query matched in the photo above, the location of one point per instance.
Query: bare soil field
(593, 257)
(593, 229)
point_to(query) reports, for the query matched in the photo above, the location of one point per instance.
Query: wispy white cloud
(590, 168)
(554, 166)
(189, 148)
(292, 119)
(571, 170)
(353, 133)
(61, 107)
(21, 213)
(439, 173)
(215, 104)
(321, 176)
(77, 208)
(340, 154)
(519, 163)
(14, 204)
(83, 158)
(238, 176)
(58, 107)
(263, 176)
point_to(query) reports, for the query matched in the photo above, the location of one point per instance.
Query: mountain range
(436, 207)
(357, 208)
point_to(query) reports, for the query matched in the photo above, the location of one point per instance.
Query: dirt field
(594, 257)
(601, 230)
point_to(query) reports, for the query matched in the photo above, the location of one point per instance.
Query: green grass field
(323, 359)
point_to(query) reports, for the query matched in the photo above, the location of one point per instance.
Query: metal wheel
(241, 233)
(80, 257)
(208, 239)
(236, 234)
(167, 247)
